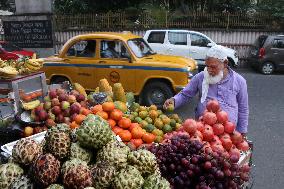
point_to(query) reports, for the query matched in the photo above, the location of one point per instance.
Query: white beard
(208, 79)
(213, 79)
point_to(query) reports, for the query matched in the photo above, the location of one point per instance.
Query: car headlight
(189, 68)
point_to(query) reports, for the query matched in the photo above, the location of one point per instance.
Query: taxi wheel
(58, 80)
(156, 93)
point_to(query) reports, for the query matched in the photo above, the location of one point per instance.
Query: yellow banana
(80, 89)
(30, 105)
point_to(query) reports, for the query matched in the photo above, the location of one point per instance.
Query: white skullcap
(218, 52)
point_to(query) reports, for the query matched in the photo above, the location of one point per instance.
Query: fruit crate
(247, 158)
(22, 84)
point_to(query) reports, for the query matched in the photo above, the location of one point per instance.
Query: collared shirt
(230, 92)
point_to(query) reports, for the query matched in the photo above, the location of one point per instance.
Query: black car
(267, 54)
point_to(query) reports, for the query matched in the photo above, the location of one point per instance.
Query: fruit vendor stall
(105, 139)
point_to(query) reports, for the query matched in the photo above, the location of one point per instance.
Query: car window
(259, 42)
(156, 37)
(113, 49)
(10, 47)
(83, 48)
(178, 38)
(198, 40)
(278, 43)
(140, 48)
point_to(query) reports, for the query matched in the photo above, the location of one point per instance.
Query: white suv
(185, 43)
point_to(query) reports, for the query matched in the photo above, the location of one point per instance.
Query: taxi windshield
(140, 48)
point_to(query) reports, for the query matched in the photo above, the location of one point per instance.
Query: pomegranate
(213, 106)
(210, 118)
(226, 142)
(218, 129)
(229, 127)
(196, 138)
(200, 126)
(216, 140)
(208, 133)
(234, 151)
(236, 137)
(243, 146)
(217, 148)
(190, 126)
(222, 116)
(199, 134)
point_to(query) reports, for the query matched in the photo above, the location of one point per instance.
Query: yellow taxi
(120, 57)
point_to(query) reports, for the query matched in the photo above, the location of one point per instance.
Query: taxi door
(80, 61)
(115, 65)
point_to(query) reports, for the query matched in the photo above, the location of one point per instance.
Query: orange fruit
(79, 118)
(148, 138)
(133, 125)
(111, 123)
(137, 132)
(108, 106)
(103, 114)
(124, 123)
(136, 142)
(125, 135)
(97, 108)
(116, 129)
(85, 111)
(116, 115)
(74, 125)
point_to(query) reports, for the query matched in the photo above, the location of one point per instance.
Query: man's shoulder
(199, 75)
(238, 77)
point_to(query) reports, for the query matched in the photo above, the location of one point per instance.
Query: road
(266, 126)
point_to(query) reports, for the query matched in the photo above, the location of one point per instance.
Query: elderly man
(217, 81)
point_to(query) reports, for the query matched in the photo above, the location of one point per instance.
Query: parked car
(9, 51)
(131, 61)
(267, 53)
(185, 43)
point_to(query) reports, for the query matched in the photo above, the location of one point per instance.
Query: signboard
(29, 34)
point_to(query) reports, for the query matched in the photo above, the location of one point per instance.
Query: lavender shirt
(230, 92)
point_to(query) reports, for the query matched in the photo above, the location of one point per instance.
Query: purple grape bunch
(185, 165)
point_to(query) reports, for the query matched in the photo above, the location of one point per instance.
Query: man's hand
(168, 103)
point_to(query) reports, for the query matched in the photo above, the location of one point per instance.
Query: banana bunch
(2, 63)
(30, 105)
(33, 65)
(8, 72)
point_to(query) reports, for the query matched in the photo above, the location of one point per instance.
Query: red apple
(60, 91)
(60, 118)
(50, 123)
(56, 110)
(43, 115)
(47, 105)
(74, 108)
(52, 94)
(62, 97)
(65, 105)
(55, 102)
(80, 98)
(74, 92)
(71, 99)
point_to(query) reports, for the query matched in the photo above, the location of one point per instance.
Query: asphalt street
(266, 126)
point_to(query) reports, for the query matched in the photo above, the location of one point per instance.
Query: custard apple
(103, 174)
(144, 161)
(26, 151)
(76, 151)
(128, 177)
(58, 143)
(77, 177)
(9, 172)
(55, 186)
(23, 182)
(114, 153)
(46, 170)
(156, 181)
(72, 163)
(94, 132)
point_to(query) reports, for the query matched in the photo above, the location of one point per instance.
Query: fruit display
(10, 69)
(97, 159)
(185, 164)
(215, 131)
